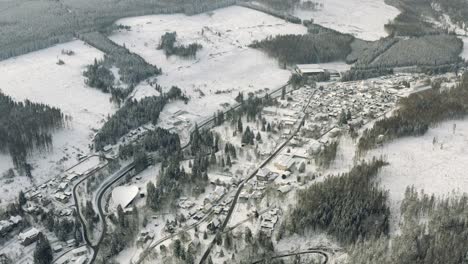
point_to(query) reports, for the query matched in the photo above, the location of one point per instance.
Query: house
(57, 248)
(284, 162)
(263, 174)
(213, 225)
(285, 189)
(78, 252)
(5, 227)
(62, 186)
(28, 237)
(61, 197)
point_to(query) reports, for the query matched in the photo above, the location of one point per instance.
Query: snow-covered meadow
(435, 163)
(223, 67)
(363, 18)
(37, 77)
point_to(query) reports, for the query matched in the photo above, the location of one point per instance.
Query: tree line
(27, 126)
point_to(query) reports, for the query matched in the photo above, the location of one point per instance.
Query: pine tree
(239, 125)
(43, 251)
(259, 137)
(21, 198)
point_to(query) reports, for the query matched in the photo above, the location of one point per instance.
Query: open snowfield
(37, 77)
(438, 168)
(362, 18)
(225, 64)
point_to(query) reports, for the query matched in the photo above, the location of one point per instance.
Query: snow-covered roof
(309, 68)
(28, 234)
(124, 195)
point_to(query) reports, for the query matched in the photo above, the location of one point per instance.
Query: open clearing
(37, 77)
(362, 18)
(223, 67)
(438, 168)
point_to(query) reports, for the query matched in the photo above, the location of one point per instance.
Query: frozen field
(438, 168)
(223, 67)
(37, 77)
(362, 18)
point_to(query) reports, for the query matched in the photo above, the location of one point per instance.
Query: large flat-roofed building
(309, 69)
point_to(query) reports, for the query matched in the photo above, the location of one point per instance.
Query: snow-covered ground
(363, 18)
(223, 67)
(435, 162)
(37, 77)
(464, 53)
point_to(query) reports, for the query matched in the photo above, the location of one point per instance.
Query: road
(242, 184)
(121, 173)
(290, 254)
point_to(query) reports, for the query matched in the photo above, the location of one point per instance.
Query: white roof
(30, 233)
(124, 195)
(309, 68)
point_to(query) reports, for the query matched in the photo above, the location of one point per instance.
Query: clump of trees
(332, 205)
(132, 68)
(134, 114)
(417, 113)
(25, 126)
(326, 155)
(98, 76)
(168, 44)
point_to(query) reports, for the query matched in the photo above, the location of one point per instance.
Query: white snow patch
(438, 168)
(363, 18)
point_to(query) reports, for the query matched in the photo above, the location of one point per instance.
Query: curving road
(310, 251)
(122, 172)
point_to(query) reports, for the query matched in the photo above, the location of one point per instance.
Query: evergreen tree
(43, 251)
(239, 125)
(21, 198)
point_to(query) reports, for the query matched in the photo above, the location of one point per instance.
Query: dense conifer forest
(331, 206)
(320, 45)
(27, 126)
(433, 230)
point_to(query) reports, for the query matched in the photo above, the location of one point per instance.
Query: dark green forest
(332, 205)
(320, 45)
(27, 126)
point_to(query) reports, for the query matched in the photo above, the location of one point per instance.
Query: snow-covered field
(439, 168)
(37, 77)
(363, 18)
(225, 64)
